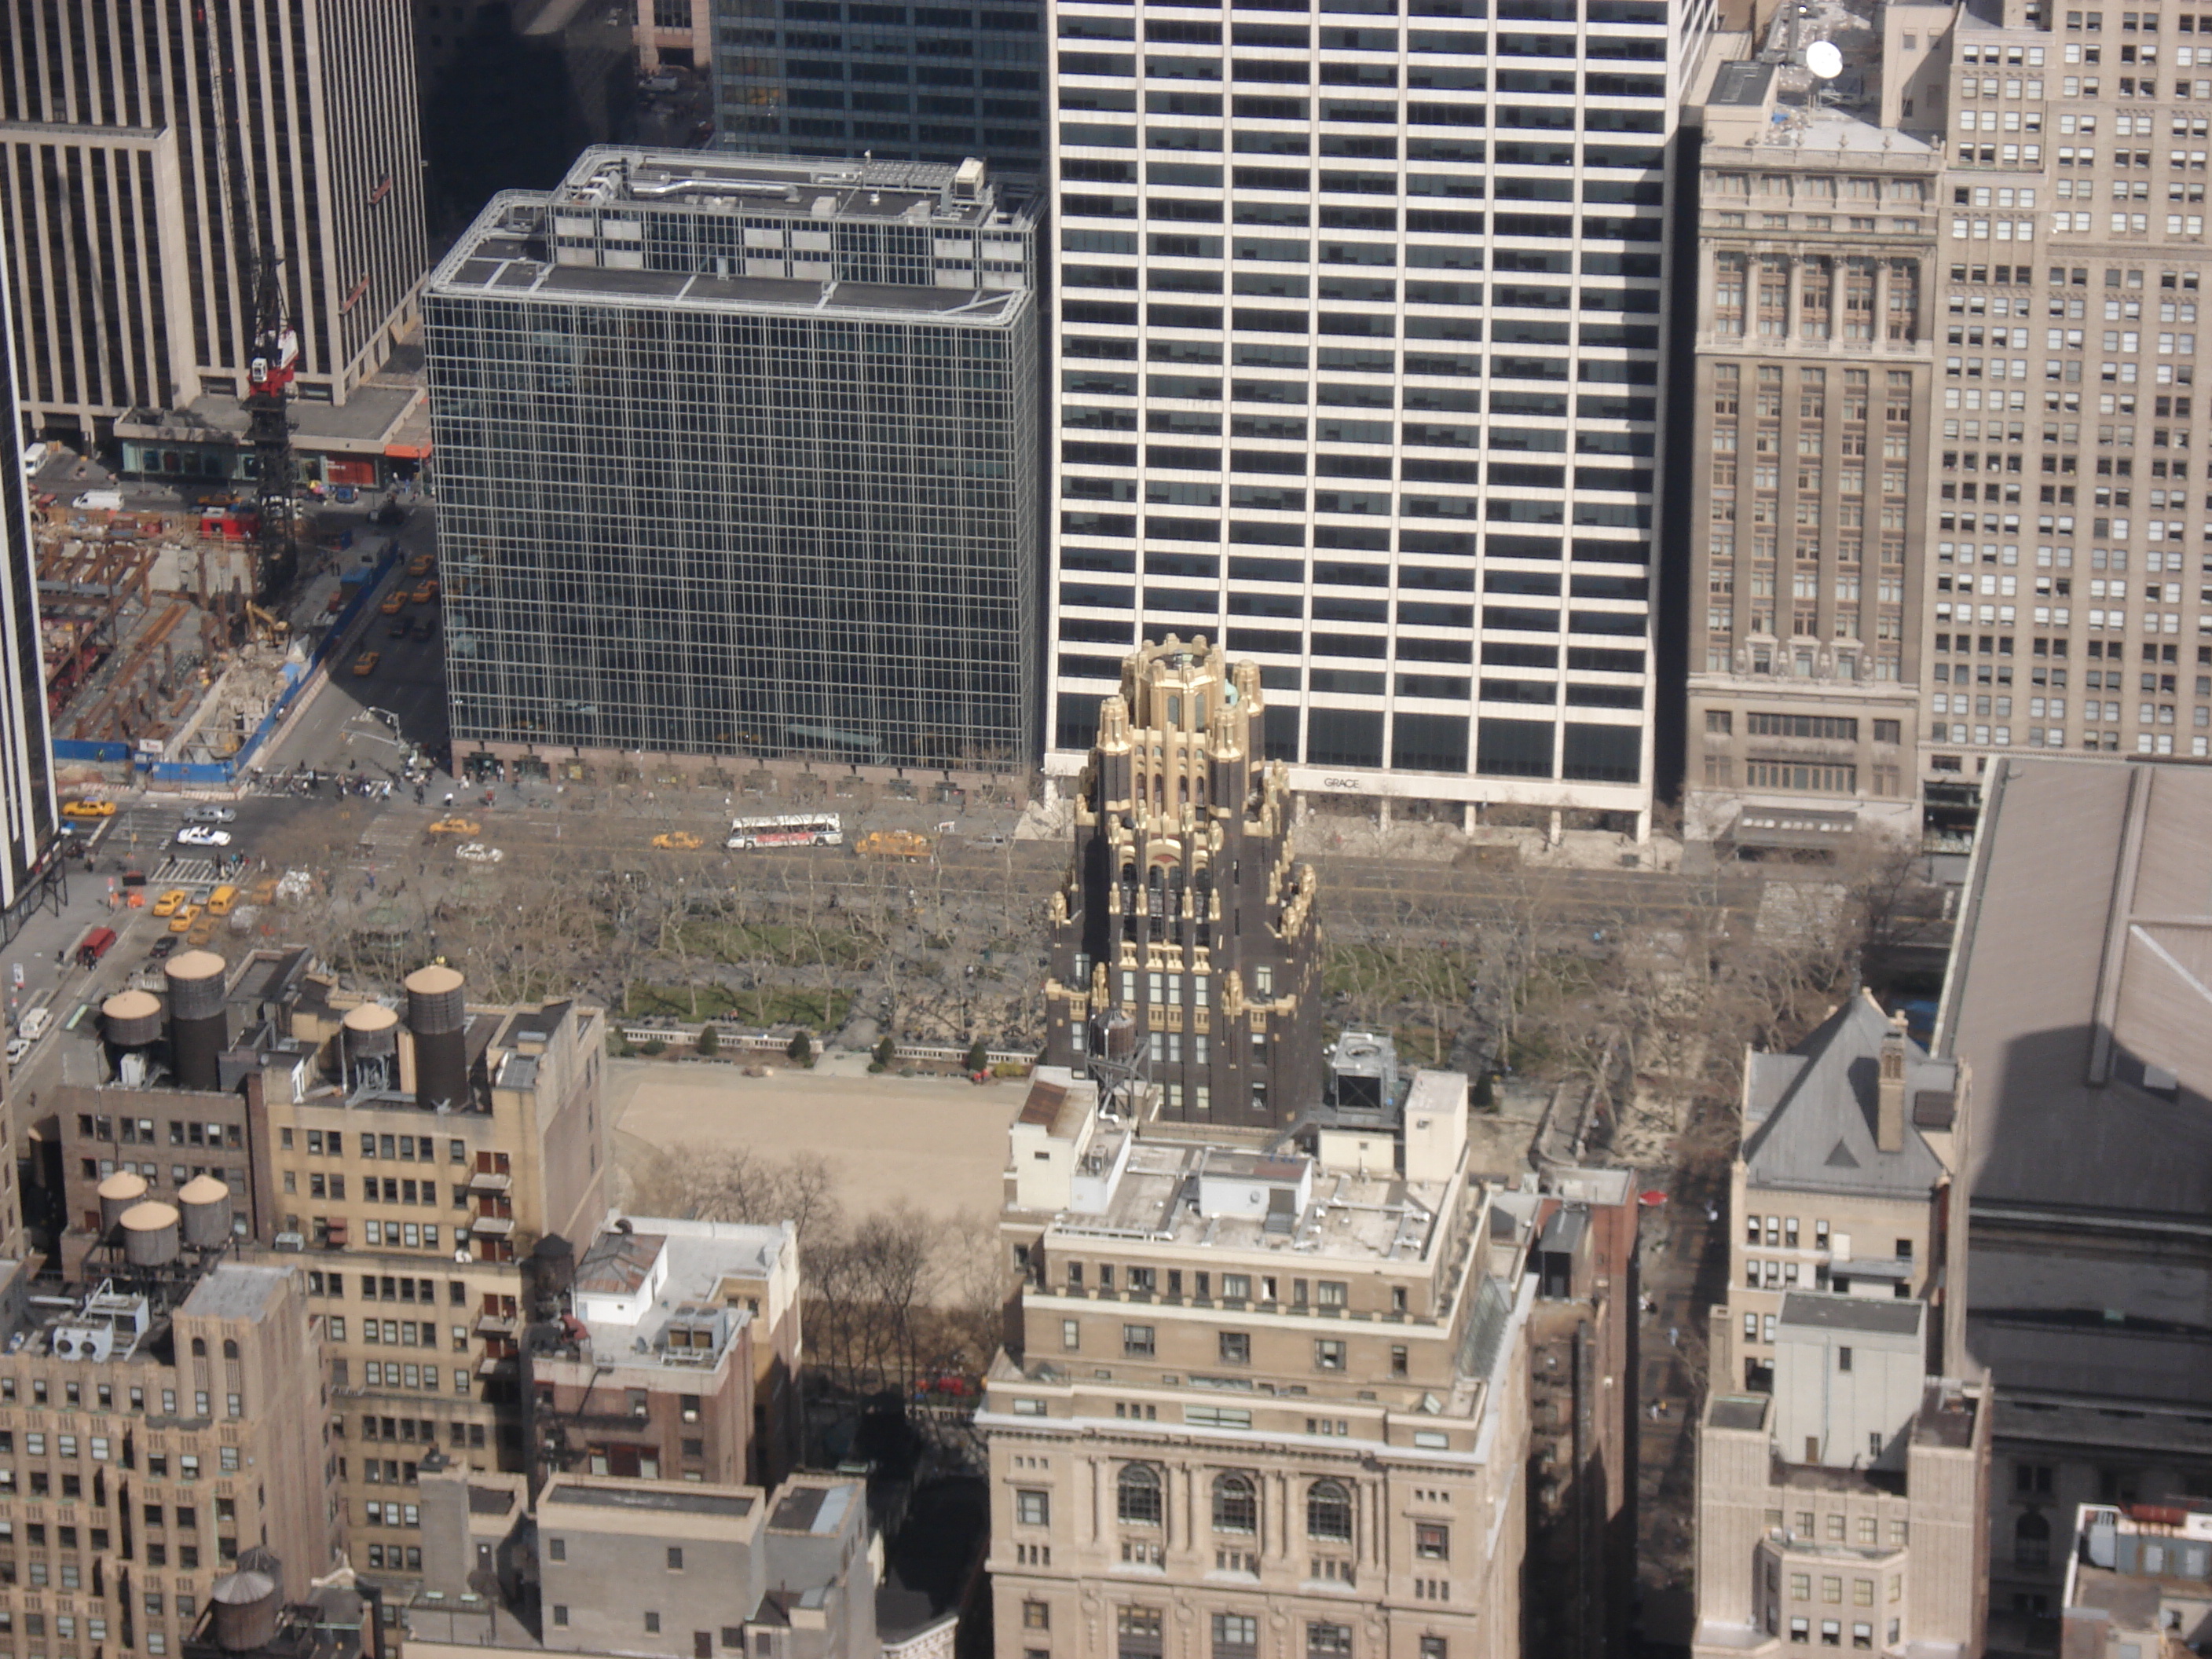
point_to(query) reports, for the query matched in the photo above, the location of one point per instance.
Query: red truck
(95, 945)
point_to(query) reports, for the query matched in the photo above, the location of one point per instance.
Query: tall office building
(1358, 368)
(2049, 473)
(127, 131)
(2073, 505)
(27, 757)
(741, 454)
(1809, 428)
(1185, 949)
(1259, 1400)
(898, 82)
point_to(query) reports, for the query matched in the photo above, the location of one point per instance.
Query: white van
(100, 500)
(35, 457)
(33, 1024)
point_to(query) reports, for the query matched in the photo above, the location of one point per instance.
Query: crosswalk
(185, 872)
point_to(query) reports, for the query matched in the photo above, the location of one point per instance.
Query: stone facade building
(155, 1424)
(1289, 1418)
(408, 1159)
(1185, 950)
(1810, 440)
(1843, 1464)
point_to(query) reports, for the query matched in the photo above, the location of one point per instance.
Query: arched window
(229, 1349)
(2031, 1541)
(1329, 1511)
(199, 1347)
(1139, 1495)
(1236, 1506)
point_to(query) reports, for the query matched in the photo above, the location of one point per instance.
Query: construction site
(154, 649)
(140, 613)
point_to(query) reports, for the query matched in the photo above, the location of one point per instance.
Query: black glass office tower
(908, 82)
(741, 455)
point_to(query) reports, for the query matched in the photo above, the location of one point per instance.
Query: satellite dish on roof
(1824, 59)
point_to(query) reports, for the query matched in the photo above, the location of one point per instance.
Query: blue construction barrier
(221, 774)
(80, 749)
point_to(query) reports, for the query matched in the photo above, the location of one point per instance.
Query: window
(1327, 1641)
(652, 1624)
(1236, 1636)
(1139, 1495)
(1137, 1342)
(1329, 1511)
(561, 1614)
(1235, 1347)
(1071, 1333)
(1033, 1508)
(1235, 1504)
(675, 1558)
(2031, 1540)
(1139, 1630)
(557, 1548)
(1328, 1354)
(1037, 1615)
(1432, 1541)
(1842, 1359)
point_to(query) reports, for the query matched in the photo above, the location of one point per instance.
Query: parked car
(198, 835)
(17, 1048)
(475, 852)
(211, 814)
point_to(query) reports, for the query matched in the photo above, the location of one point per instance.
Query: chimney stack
(1889, 1112)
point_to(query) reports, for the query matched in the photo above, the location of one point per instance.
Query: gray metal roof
(1877, 1316)
(1819, 1132)
(2085, 953)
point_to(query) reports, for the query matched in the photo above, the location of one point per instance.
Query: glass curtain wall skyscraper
(905, 83)
(740, 455)
(1359, 365)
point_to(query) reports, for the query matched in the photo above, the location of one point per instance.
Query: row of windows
(147, 1131)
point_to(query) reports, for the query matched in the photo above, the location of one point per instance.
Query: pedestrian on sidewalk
(1673, 1336)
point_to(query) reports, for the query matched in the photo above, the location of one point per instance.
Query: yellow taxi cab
(426, 591)
(87, 809)
(365, 663)
(171, 901)
(185, 916)
(420, 565)
(679, 841)
(396, 603)
(456, 827)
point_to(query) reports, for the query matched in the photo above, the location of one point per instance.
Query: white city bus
(787, 829)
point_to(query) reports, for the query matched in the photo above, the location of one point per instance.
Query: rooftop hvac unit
(93, 1342)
